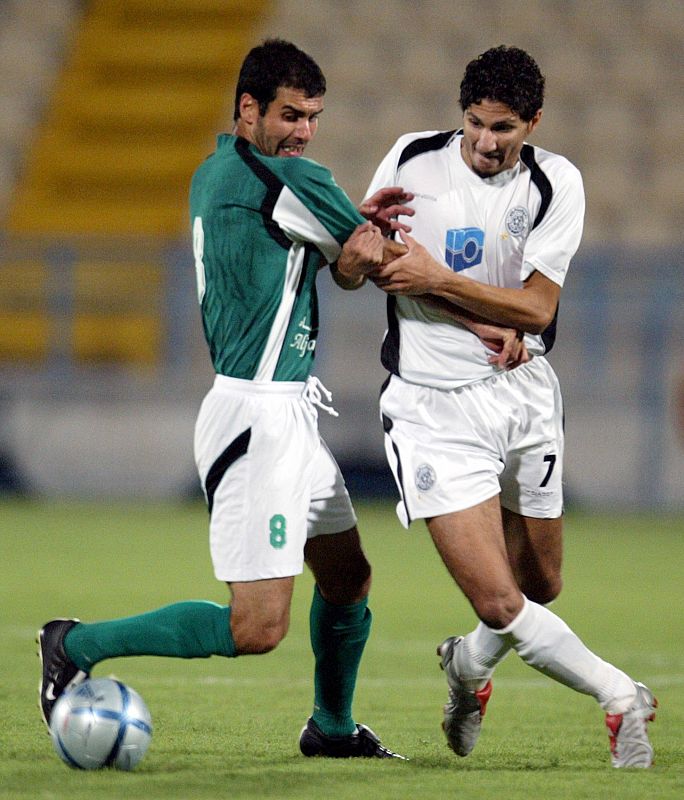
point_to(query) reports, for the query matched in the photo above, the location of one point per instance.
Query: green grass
(228, 729)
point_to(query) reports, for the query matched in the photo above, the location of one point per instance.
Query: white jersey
(496, 230)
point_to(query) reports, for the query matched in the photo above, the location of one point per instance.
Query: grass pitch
(228, 729)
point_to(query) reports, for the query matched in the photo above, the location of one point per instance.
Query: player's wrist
(348, 278)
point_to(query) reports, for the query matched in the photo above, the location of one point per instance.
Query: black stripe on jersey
(236, 449)
(418, 146)
(543, 184)
(274, 186)
(309, 251)
(389, 353)
(539, 179)
(549, 335)
(387, 427)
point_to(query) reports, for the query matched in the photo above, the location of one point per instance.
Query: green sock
(338, 636)
(191, 629)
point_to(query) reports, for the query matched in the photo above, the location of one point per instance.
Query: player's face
(493, 136)
(289, 124)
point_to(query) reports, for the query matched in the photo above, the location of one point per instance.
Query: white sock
(546, 643)
(477, 655)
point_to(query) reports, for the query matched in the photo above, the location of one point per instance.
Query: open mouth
(291, 150)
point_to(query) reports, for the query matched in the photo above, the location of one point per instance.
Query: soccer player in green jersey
(264, 220)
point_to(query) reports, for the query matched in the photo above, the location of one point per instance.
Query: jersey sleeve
(552, 244)
(387, 173)
(313, 209)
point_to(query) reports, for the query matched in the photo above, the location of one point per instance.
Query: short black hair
(505, 74)
(273, 64)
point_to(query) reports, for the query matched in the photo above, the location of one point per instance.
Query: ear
(249, 108)
(532, 124)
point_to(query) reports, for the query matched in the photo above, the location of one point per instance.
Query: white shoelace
(314, 392)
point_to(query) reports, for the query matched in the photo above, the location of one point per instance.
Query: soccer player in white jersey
(477, 450)
(264, 220)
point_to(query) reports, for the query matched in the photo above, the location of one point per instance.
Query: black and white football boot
(363, 743)
(59, 671)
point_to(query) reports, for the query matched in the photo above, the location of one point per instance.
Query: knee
(350, 584)
(357, 580)
(544, 590)
(498, 611)
(258, 636)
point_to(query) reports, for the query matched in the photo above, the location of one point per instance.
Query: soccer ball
(101, 723)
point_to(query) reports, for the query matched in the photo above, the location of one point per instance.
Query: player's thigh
(472, 546)
(535, 552)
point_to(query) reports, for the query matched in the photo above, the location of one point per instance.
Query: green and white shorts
(268, 477)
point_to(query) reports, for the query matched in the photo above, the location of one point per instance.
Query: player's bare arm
(530, 308)
(507, 344)
(383, 208)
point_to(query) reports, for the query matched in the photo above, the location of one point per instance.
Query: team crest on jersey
(517, 220)
(425, 477)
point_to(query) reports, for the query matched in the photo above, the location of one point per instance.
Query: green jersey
(260, 225)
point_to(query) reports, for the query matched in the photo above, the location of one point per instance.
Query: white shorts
(268, 477)
(452, 449)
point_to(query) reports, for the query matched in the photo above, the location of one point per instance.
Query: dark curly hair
(505, 74)
(273, 64)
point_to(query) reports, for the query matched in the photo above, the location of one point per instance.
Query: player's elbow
(538, 325)
(539, 302)
(539, 319)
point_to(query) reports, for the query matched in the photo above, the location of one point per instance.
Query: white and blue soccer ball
(101, 723)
